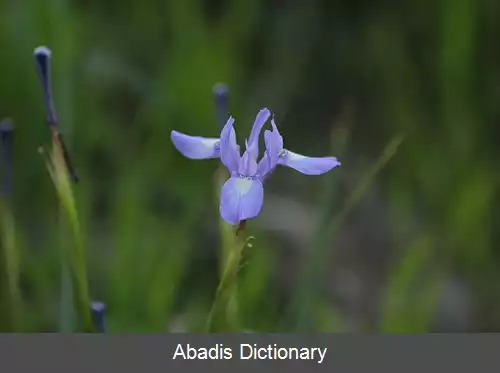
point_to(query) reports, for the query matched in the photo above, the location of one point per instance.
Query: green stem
(223, 316)
(74, 283)
(81, 284)
(12, 264)
(75, 273)
(74, 269)
(66, 311)
(226, 233)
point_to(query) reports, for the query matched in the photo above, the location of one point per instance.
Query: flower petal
(274, 143)
(264, 167)
(229, 150)
(195, 147)
(253, 141)
(274, 147)
(241, 199)
(308, 165)
(248, 165)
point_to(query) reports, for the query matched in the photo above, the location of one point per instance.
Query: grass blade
(76, 256)
(316, 265)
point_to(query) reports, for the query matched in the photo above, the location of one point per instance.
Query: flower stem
(12, 255)
(241, 227)
(66, 311)
(226, 232)
(74, 259)
(12, 266)
(223, 316)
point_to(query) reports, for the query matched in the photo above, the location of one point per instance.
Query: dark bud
(98, 310)
(43, 57)
(221, 93)
(6, 135)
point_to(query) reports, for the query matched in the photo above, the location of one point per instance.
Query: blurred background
(402, 238)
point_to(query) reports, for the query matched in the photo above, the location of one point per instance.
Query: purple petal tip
(98, 306)
(42, 50)
(220, 89)
(6, 125)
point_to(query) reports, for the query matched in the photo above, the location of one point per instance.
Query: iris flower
(242, 195)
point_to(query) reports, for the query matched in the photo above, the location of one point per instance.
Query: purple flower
(243, 194)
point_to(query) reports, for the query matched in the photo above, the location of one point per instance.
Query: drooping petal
(253, 141)
(241, 199)
(195, 147)
(308, 165)
(229, 150)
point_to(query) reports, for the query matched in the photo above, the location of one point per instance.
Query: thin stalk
(12, 265)
(66, 301)
(11, 251)
(74, 286)
(223, 316)
(74, 257)
(226, 233)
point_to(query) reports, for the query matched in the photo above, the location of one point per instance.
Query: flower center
(243, 184)
(246, 177)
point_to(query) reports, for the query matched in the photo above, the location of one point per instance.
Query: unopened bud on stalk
(221, 93)
(6, 134)
(98, 310)
(43, 57)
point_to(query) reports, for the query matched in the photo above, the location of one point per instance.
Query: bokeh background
(403, 238)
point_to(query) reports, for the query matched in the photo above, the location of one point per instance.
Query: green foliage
(412, 293)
